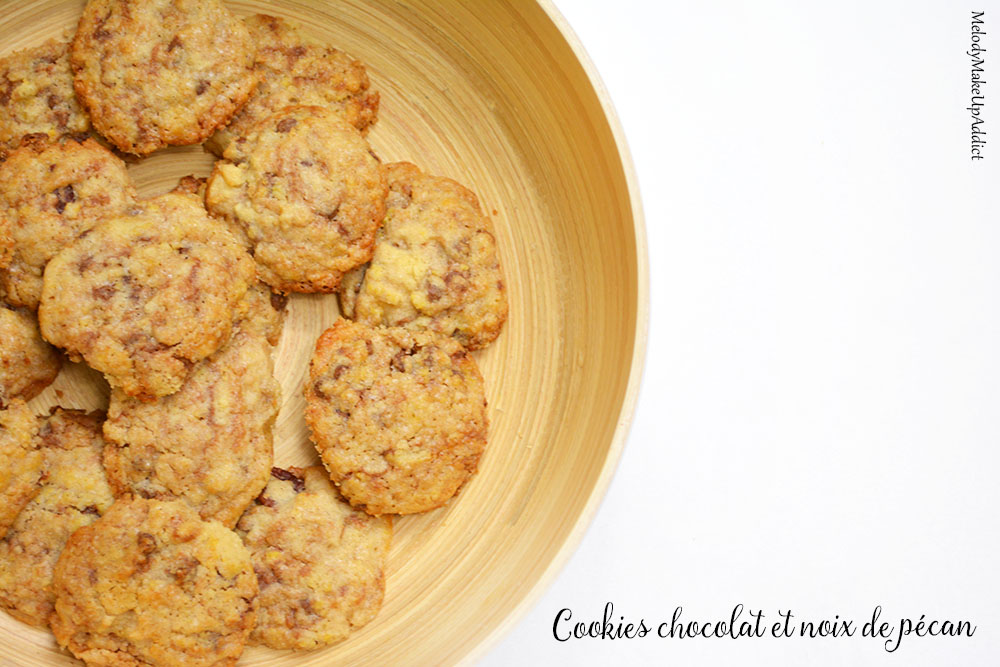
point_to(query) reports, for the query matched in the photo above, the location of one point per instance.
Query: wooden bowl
(500, 97)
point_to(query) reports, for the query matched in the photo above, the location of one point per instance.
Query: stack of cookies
(159, 531)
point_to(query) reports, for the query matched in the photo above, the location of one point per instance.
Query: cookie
(72, 494)
(191, 185)
(143, 296)
(320, 563)
(50, 193)
(435, 265)
(297, 70)
(36, 95)
(308, 193)
(262, 313)
(27, 363)
(161, 72)
(150, 583)
(6, 243)
(210, 443)
(20, 461)
(398, 417)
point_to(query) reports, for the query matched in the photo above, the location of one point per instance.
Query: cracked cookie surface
(144, 296)
(36, 95)
(308, 194)
(435, 265)
(152, 583)
(20, 461)
(50, 193)
(320, 562)
(398, 417)
(72, 494)
(161, 72)
(297, 70)
(210, 443)
(27, 363)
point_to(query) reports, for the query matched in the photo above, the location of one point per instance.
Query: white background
(818, 423)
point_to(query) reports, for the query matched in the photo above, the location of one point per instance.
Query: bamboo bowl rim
(627, 413)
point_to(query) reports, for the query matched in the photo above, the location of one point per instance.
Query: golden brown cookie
(297, 70)
(36, 95)
(50, 193)
(435, 266)
(398, 417)
(320, 563)
(6, 243)
(210, 443)
(150, 583)
(73, 493)
(27, 363)
(161, 72)
(308, 193)
(20, 461)
(191, 185)
(143, 296)
(262, 313)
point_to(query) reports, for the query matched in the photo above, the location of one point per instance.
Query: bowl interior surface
(492, 95)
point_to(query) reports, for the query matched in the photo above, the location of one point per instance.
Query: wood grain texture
(499, 96)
